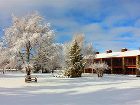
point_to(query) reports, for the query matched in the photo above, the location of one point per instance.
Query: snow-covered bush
(99, 68)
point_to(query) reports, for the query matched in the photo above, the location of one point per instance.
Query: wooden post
(111, 66)
(123, 65)
(3, 71)
(137, 63)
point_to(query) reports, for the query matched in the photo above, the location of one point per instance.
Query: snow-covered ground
(88, 90)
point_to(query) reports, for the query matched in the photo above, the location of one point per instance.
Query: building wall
(120, 65)
(123, 65)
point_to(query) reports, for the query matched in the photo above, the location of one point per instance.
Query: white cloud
(56, 12)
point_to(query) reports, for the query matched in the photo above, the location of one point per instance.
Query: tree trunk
(28, 72)
(28, 49)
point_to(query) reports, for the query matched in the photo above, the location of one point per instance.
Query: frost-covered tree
(99, 68)
(4, 55)
(89, 54)
(49, 57)
(89, 57)
(79, 38)
(87, 50)
(74, 62)
(24, 36)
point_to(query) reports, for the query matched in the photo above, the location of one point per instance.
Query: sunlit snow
(87, 90)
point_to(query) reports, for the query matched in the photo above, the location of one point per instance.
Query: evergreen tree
(75, 62)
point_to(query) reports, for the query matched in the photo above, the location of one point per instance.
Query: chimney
(109, 51)
(97, 52)
(124, 49)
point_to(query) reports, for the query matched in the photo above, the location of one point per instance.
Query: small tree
(89, 55)
(99, 68)
(86, 49)
(74, 62)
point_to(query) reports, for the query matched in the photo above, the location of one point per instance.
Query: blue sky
(108, 24)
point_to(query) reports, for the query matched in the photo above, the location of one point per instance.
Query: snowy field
(109, 90)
